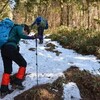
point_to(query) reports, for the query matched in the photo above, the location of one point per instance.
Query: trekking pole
(36, 62)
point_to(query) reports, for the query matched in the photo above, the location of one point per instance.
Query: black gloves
(33, 37)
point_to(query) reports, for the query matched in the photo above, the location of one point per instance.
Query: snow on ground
(50, 66)
(71, 92)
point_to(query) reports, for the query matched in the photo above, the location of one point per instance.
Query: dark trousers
(10, 53)
(40, 33)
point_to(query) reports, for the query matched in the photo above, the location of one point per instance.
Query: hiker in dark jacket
(9, 53)
(42, 24)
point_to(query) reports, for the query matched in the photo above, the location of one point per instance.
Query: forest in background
(75, 24)
(71, 13)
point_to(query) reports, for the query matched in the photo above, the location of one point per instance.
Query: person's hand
(34, 37)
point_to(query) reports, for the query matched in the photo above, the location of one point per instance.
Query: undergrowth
(84, 41)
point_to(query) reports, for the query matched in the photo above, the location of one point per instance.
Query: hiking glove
(34, 37)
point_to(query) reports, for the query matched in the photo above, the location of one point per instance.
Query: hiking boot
(16, 86)
(4, 93)
(41, 42)
(12, 80)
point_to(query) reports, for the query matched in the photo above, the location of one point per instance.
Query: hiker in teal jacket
(9, 53)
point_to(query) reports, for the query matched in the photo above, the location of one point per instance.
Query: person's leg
(7, 71)
(40, 34)
(17, 57)
(5, 82)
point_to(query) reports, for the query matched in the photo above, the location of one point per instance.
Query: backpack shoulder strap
(13, 27)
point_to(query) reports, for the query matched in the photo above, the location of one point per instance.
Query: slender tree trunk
(80, 19)
(61, 16)
(67, 14)
(88, 12)
(83, 14)
(71, 15)
(25, 16)
(98, 9)
(39, 8)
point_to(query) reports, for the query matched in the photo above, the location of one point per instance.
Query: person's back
(42, 24)
(16, 34)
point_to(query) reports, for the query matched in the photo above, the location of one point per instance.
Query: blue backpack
(6, 26)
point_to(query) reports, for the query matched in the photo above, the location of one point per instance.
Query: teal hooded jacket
(16, 34)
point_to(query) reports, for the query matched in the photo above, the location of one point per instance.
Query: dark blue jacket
(40, 21)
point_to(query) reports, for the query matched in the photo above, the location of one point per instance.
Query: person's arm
(37, 21)
(34, 23)
(22, 34)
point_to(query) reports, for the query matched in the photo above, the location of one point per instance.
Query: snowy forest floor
(88, 84)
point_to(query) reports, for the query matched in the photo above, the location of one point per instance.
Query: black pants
(40, 33)
(10, 53)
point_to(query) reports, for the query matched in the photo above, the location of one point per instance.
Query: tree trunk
(88, 12)
(67, 14)
(61, 16)
(83, 14)
(25, 16)
(98, 3)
